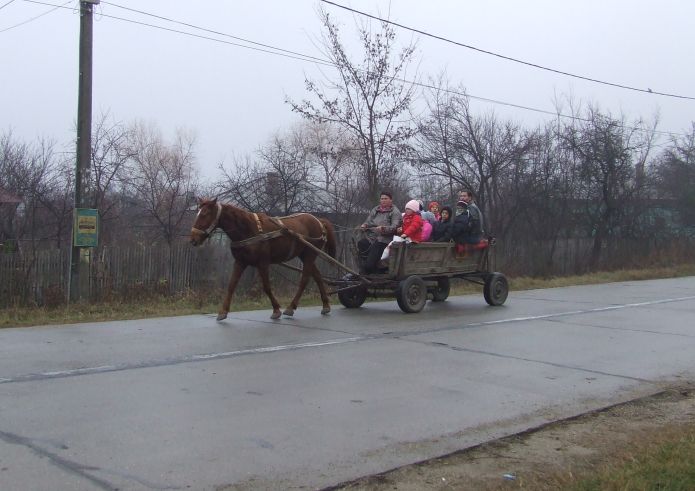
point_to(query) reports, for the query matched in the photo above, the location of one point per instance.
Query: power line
(56, 7)
(508, 58)
(214, 32)
(310, 58)
(527, 108)
(278, 51)
(6, 4)
(319, 61)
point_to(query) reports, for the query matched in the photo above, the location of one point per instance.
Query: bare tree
(111, 153)
(675, 176)
(607, 153)
(276, 182)
(480, 153)
(31, 172)
(163, 180)
(543, 187)
(366, 100)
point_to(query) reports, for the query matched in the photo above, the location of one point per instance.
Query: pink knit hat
(413, 205)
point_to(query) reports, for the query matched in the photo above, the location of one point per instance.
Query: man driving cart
(379, 227)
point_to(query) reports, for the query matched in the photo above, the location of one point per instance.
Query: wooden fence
(129, 272)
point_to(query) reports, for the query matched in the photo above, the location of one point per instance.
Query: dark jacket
(441, 230)
(476, 222)
(461, 226)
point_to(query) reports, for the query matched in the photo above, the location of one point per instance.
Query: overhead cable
(5, 4)
(56, 7)
(508, 58)
(319, 61)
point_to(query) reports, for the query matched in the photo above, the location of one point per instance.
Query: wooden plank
(430, 258)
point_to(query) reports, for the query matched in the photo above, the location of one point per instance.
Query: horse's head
(206, 220)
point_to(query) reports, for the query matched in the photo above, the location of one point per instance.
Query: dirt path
(544, 458)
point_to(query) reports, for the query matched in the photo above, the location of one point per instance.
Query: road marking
(31, 377)
(289, 347)
(589, 311)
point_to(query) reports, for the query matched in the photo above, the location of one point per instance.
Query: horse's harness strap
(256, 238)
(258, 223)
(276, 233)
(324, 234)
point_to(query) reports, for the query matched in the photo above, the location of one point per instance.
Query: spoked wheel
(441, 291)
(496, 289)
(354, 297)
(411, 294)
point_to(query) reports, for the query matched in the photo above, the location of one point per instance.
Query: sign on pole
(86, 227)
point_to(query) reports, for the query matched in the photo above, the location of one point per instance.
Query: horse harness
(283, 229)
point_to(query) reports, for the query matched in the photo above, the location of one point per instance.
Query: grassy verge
(159, 306)
(659, 460)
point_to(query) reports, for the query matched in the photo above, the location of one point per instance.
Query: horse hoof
(325, 310)
(221, 316)
(288, 312)
(276, 315)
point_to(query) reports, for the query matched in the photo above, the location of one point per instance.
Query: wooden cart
(418, 272)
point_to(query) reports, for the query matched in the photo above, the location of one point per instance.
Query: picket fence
(42, 278)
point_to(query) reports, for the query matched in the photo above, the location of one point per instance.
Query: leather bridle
(206, 233)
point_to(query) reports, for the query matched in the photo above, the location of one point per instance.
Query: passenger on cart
(441, 231)
(476, 225)
(461, 226)
(436, 210)
(412, 222)
(380, 226)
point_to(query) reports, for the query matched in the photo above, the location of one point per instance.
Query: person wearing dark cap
(379, 227)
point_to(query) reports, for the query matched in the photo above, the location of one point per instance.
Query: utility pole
(78, 270)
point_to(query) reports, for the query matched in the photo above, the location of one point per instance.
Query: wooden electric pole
(78, 269)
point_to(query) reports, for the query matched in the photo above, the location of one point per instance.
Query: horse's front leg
(289, 311)
(264, 271)
(322, 289)
(233, 282)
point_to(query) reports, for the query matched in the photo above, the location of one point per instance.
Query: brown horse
(259, 240)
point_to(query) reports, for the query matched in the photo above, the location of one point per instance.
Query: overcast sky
(233, 97)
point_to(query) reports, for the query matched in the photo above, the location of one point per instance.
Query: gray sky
(233, 97)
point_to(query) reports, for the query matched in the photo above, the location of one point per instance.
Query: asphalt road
(189, 403)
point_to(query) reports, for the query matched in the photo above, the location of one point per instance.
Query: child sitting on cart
(412, 228)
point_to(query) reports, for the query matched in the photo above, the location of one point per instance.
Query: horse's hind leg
(306, 271)
(264, 270)
(322, 289)
(233, 282)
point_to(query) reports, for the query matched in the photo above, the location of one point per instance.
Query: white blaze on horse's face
(203, 220)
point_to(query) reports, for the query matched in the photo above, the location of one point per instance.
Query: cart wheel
(411, 294)
(496, 289)
(353, 298)
(441, 291)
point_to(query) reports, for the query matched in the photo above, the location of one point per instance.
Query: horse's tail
(331, 240)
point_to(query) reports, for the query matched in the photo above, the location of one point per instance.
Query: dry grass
(196, 303)
(646, 444)
(661, 458)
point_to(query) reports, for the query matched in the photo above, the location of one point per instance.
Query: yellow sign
(86, 227)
